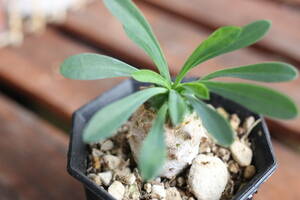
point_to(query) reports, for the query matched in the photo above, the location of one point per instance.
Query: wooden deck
(33, 150)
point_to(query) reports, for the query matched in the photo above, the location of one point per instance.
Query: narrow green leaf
(90, 66)
(215, 124)
(149, 76)
(139, 30)
(264, 72)
(248, 35)
(153, 151)
(251, 33)
(211, 47)
(177, 107)
(107, 120)
(198, 89)
(256, 98)
(157, 101)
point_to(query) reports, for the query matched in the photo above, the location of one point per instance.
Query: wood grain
(33, 158)
(288, 2)
(283, 38)
(284, 183)
(33, 70)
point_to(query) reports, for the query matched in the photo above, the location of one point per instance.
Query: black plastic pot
(263, 158)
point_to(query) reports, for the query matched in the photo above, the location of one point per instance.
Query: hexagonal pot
(263, 156)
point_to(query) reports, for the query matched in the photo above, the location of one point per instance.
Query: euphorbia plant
(173, 100)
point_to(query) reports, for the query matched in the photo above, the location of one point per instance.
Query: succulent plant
(173, 99)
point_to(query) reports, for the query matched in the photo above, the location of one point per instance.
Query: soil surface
(112, 167)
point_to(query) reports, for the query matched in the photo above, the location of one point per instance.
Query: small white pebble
(208, 177)
(157, 180)
(214, 148)
(127, 179)
(158, 191)
(180, 181)
(224, 154)
(235, 121)
(97, 152)
(112, 162)
(92, 176)
(122, 172)
(204, 147)
(222, 112)
(249, 121)
(172, 194)
(105, 177)
(107, 145)
(148, 187)
(130, 179)
(117, 190)
(233, 167)
(132, 192)
(95, 178)
(241, 153)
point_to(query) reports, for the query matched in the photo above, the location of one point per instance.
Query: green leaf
(149, 76)
(89, 66)
(256, 98)
(215, 124)
(248, 35)
(265, 72)
(139, 30)
(177, 107)
(211, 47)
(157, 101)
(198, 89)
(251, 33)
(106, 121)
(153, 151)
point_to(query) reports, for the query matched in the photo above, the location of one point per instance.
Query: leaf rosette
(172, 100)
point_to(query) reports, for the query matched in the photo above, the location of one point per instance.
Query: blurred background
(36, 102)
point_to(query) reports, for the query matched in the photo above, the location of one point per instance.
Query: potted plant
(153, 137)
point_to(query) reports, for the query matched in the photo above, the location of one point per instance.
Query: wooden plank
(178, 39)
(289, 2)
(284, 183)
(2, 18)
(33, 158)
(33, 69)
(284, 37)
